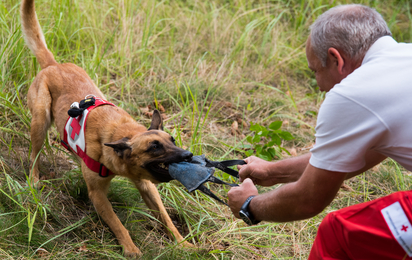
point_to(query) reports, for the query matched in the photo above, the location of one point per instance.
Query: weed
(271, 138)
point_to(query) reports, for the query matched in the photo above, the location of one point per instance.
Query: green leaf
(250, 139)
(245, 146)
(286, 135)
(275, 138)
(264, 157)
(258, 149)
(249, 153)
(256, 139)
(255, 128)
(272, 152)
(266, 153)
(264, 132)
(275, 125)
(311, 113)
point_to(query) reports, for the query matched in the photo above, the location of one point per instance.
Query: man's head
(339, 40)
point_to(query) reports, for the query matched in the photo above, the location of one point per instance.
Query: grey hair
(349, 28)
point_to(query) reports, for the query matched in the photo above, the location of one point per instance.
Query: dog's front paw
(35, 183)
(132, 252)
(187, 244)
(34, 177)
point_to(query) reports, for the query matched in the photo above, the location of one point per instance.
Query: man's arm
(298, 200)
(266, 173)
(314, 189)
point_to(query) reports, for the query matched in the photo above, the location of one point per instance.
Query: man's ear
(121, 148)
(336, 59)
(157, 122)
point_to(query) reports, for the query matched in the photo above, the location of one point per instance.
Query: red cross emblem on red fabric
(75, 127)
(404, 228)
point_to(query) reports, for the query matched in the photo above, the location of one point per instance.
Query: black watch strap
(245, 214)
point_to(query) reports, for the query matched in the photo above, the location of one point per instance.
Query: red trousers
(362, 232)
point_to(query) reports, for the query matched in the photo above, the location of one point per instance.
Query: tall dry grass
(215, 66)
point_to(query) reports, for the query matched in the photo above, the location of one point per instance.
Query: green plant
(271, 138)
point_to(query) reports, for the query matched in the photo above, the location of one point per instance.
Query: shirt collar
(382, 43)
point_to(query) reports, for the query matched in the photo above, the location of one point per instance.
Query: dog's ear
(157, 122)
(120, 147)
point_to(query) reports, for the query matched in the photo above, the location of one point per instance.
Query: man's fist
(238, 195)
(258, 170)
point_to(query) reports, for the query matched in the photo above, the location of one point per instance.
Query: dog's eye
(173, 141)
(156, 145)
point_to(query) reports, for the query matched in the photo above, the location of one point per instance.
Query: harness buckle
(103, 171)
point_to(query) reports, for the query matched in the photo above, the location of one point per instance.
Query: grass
(209, 64)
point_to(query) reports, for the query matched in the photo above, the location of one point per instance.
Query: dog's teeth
(163, 166)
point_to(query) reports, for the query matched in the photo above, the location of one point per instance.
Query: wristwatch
(244, 213)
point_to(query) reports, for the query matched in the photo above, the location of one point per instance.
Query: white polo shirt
(371, 109)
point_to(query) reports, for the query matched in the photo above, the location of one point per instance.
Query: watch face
(245, 217)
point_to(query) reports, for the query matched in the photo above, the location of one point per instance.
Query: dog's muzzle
(200, 170)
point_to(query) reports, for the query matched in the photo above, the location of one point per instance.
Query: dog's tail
(33, 34)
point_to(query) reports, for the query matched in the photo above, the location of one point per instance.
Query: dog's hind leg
(39, 101)
(151, 196)
(97, 188)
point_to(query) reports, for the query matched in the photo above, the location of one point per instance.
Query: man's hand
(266, 173)
(258, 170)
(238, 195)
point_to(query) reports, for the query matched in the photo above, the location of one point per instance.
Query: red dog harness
(75, 139)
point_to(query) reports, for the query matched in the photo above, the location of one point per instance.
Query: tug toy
(195, 173)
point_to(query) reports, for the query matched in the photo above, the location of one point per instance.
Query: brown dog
(113, 137)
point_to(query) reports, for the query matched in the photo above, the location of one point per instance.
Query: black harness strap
(223, 166)
(210, 194)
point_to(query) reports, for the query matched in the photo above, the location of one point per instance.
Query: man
(365, 118)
